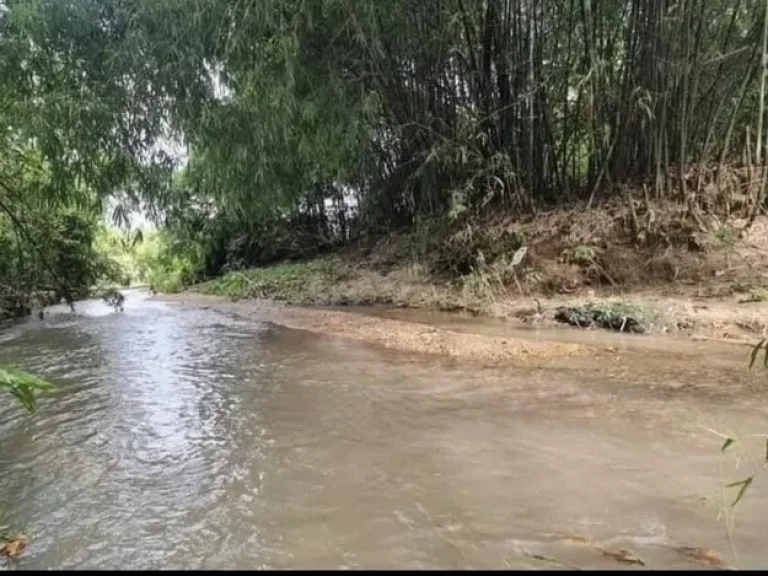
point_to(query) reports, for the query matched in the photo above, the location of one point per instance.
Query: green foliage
(296, 283)
(308, 124)
(22, 386)
(584, 254)
(78, 126)
(755, 295)
(74, 262)
(117, 250)
(165, 263)
(50, 249)
(413, 106)
(727, 235)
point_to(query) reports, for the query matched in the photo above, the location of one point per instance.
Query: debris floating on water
(624, 556)
(705, 556)
(14, 546)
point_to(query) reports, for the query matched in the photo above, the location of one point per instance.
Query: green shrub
(294, 282)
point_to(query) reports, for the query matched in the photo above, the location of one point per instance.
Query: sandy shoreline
(395, 334)
(508, 346)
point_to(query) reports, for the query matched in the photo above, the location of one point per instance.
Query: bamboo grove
(309, 122)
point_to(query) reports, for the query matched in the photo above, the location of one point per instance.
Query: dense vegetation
(152, 258)
(310, 123)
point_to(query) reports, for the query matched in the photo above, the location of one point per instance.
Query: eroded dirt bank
(672, 277)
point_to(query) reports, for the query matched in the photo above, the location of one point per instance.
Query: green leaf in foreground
(728, 442)
(23, 386)
(743, 485)
(755, 352)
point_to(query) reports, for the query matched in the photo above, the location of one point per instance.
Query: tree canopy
(308, 122)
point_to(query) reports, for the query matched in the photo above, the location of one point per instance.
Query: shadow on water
(181, 437)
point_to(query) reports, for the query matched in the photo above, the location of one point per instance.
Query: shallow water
(183, 437)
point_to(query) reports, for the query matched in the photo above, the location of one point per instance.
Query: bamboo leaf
(23, 386)
(743, 486)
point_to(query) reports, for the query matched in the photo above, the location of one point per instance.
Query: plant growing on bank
(296, 283)
(584, 254)
(755, 295)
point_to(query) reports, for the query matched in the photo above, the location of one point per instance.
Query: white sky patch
(175, 148)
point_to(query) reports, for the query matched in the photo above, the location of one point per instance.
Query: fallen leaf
(703, 556)
(624, 556)
(14, 547)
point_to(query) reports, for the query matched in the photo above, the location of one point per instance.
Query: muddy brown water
(185, 437)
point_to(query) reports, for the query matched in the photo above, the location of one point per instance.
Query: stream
(182, 437)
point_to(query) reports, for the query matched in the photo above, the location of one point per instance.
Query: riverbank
(684, 311)
(482, 342)
(18, 305)
(403, 336)
(667, 279)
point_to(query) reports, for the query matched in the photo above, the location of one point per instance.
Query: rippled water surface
(183, 437)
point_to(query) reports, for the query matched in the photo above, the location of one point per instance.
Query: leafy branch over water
(730, 442)
(25, 388)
